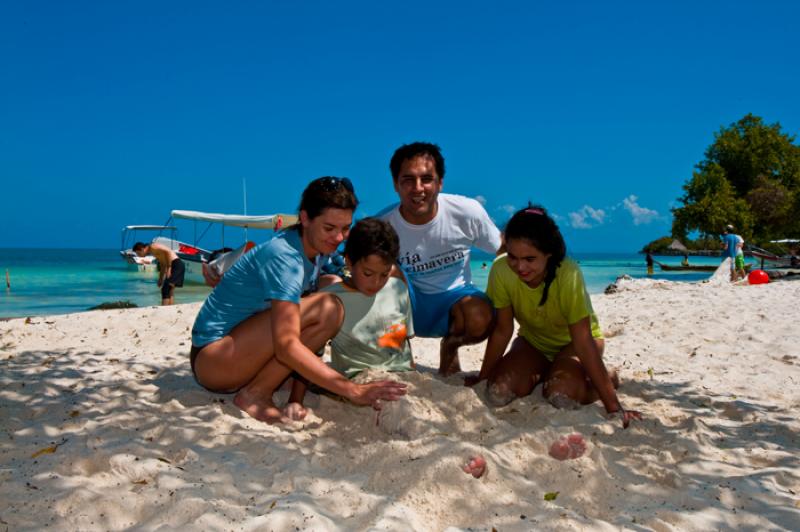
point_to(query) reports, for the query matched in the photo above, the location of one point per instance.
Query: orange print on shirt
(394, 338)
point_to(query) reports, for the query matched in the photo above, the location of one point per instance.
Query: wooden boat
(694, 268)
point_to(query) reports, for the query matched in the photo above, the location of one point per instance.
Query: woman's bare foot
(295, 411)
(259, 407)
(448, 357)
(568, 447)
(475, 466)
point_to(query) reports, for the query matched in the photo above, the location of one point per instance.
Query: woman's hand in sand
(627, 416)
(374, 392)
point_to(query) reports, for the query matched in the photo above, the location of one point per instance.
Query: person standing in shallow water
(171, 269)
(437, 232)
(256, 326)
(649, 260)
(560, 343)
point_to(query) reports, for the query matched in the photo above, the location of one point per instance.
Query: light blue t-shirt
(732, 241)
(277, 269)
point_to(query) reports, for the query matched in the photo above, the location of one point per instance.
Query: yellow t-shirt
(545, 327)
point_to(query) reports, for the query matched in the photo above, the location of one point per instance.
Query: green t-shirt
(375, 330)
(545, 327)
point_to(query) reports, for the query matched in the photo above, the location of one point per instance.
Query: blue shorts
(431, 312)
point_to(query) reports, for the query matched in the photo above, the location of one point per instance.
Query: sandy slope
(136, 443)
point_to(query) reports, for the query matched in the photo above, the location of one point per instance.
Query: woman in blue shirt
(256, 327)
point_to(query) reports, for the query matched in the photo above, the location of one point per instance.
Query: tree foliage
(750, 178)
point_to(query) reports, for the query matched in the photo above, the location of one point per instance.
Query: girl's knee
(561, 394)
(499, 394)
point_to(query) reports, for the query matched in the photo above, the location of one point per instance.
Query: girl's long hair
(537, 227)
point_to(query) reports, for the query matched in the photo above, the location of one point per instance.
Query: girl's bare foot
(259, 407)
(475, 466)
(568, 447)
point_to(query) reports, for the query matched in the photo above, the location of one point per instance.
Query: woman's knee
(499, 393)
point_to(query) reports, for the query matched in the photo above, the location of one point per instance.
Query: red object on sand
(568, 447)
(758, 277)
(476, 466)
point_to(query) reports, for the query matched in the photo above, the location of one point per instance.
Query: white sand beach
(103, 428)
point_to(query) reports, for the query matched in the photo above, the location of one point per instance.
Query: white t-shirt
(435, 256)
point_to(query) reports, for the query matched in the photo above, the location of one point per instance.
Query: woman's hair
(372, 236)
(537, 227)
(328, 193)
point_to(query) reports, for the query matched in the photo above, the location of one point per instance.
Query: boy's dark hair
(416, 149)
(327, 192)
(534, 225)
(139, 246)
(372, 236)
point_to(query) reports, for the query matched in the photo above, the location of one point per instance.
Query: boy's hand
(295, 411)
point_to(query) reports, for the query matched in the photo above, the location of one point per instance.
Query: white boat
(130, 235)
(195, 256)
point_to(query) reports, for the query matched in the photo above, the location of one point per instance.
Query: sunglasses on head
(329, 184)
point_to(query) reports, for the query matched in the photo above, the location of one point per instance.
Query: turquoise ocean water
(60, 281)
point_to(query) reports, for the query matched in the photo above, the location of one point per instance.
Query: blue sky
(115, 113)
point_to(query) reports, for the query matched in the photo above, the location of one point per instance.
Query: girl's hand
(627, 416)
(374, 392)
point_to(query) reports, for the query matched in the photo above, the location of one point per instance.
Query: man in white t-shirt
(437, 232)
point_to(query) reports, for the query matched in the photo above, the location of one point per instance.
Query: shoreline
(102, 427)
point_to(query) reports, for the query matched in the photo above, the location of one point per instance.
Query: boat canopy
(149, 228)
(786, 241)
(266, 221)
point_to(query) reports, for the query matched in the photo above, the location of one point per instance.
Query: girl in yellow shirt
(560, 342)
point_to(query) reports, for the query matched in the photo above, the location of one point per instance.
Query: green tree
(709, 205)
(750, 178)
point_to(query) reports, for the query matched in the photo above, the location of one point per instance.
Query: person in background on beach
(649, 260)
(437, 232)
(733, 246)
(685, 261)
(171, 269)
(256, 326)
(560, 343)
(377, 311)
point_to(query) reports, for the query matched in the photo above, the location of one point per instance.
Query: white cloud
(481, 199)
(641, 215)
(587, 217)
(508, 209)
